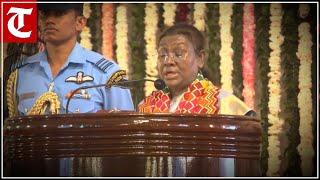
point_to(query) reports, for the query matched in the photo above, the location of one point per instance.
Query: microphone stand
(118, 84)
(76, 90)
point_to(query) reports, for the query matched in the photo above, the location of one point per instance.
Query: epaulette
(18, 64)
(98, 60)
(104, 64)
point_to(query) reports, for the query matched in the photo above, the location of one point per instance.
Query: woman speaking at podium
(181, 56)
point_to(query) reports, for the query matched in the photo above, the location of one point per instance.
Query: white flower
(276, 40)
(151, 26)
(304, 10)
(122, 50)
(199, 16)
(304, 54)
(226, 52)
(86, 10)
(169, 13)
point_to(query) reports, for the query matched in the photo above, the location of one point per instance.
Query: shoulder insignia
(18, 65)
(103, 64)
(99, 61)
(116, 77)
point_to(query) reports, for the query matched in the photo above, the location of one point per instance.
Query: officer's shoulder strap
(19, 64)
(24, 61)
(99, 61)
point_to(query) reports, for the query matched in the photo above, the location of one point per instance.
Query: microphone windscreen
(159, 84)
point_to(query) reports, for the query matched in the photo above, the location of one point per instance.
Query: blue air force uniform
(83, 68)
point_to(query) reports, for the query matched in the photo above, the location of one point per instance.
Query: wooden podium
(132, 144)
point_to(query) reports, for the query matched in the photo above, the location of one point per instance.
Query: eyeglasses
(176, 56)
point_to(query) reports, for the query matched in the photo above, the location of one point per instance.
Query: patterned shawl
(201, 97)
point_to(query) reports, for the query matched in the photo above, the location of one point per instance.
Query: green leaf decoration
(137, 47)
(236, 31)
(289, 85)
(262, 49)
(213, 34)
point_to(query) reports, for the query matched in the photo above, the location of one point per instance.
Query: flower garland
(304, 10)
(189, 19)
(107, 27)
(86, 34)
(289, 138)
(137, 48)
(248, 59)
(237, 33)
(86, 10)
(276, 40)
(304, 54)
(226, 52)
(169, 13)
(214, 40)
(122, 38)
(262, 15)
(183, 11)
(199, 16)
(151, 23)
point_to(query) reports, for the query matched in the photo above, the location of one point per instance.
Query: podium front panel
(132, 144)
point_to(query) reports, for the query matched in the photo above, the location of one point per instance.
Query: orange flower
(107, 26)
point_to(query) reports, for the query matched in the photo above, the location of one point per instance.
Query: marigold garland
(107, 27)
(86, 34)
(304, 54)
(151, 23)
(226, 52)
(248, 57)
(169, 13)
(199, 16)
(122, 52)
(276, 40)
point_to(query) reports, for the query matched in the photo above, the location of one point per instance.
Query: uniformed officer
(42, 83)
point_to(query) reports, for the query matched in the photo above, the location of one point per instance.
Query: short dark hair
(189, 31)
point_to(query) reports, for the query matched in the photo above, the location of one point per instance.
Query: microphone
(159, 85)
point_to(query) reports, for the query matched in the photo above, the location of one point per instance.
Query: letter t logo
(19, 12)
(19, 22)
